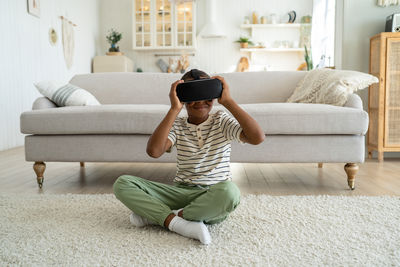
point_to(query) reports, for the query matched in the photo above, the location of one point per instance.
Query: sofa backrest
(153, 88)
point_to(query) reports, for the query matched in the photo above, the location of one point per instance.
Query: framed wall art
(34, 7)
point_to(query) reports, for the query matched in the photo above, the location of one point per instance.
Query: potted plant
(113, 38)
(244, 42)
(308, 59)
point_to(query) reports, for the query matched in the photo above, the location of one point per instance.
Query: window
(323, 33)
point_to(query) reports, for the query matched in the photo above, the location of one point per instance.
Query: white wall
(26, 55)
(362, 20)
(212, 55)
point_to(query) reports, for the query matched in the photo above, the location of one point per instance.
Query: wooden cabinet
(384, 98)
(112, 64)
(163, 25)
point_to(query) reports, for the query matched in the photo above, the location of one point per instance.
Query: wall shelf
(273, 37)
(278, 25)
(271, 49)
(272, 26)
(161, 48)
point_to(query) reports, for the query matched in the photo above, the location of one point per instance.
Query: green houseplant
(113, 38)
(308, 59)
(244, 42)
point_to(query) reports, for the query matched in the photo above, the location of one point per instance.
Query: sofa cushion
(300, 118)
(104, 119)
(332, 87)
(274, 118)
(66, 94)
(153, 88)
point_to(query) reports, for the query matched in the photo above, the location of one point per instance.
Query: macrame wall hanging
(68, 40)
(388, 2)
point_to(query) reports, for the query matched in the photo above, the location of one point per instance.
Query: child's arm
(252, 132)
(158, 142)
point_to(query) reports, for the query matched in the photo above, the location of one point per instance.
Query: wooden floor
(373, 178)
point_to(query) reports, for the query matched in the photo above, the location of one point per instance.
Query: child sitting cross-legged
(203, 191)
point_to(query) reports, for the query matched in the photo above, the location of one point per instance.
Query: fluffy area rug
(94, 230)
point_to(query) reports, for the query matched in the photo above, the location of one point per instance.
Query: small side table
(112, 64)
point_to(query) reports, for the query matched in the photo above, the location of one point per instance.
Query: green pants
(154, 201)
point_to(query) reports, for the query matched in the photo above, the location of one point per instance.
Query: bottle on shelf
(255, 18)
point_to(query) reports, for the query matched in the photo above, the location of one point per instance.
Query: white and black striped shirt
(203, 151)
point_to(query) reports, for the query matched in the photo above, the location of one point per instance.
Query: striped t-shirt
(203, 151)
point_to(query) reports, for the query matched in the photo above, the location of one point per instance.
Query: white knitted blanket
(327, 86)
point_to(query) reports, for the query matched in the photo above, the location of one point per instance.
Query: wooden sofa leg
(351, 171)
(320, 164)
(82, 164)
(39, 168)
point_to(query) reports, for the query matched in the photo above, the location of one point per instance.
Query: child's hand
(226, 95)
(175, 103)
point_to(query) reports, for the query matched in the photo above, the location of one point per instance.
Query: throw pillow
(327, 86)
(66, 94)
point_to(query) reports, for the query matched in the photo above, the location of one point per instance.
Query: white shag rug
(94, 230)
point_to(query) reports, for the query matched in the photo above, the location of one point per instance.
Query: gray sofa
(133, 104)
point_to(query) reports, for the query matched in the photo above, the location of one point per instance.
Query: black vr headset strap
(195, 74)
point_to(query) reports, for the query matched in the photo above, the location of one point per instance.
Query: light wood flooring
(373, 178)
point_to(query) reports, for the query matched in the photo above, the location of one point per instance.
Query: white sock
(196, 230)
(177, 211)
(139, 221)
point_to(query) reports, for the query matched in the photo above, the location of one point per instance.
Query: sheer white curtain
(323, 33)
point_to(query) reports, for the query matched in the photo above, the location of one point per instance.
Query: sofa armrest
(42, 103)
(354, 101)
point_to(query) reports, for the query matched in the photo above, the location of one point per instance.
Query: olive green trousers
(155, 201)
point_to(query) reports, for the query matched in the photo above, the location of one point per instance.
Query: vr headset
(199, 89)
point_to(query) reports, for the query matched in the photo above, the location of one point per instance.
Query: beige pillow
(327, 86)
